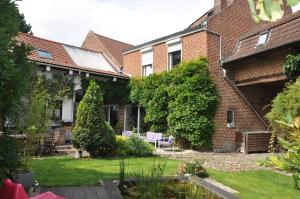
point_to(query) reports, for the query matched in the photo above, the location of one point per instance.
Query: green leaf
(253, 11)
(293, 2)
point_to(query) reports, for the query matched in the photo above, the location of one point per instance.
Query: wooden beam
(263, 80)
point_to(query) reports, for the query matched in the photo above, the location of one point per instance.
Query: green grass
(67, 171)
(258, 184)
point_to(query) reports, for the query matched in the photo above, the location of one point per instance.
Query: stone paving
(220, 161)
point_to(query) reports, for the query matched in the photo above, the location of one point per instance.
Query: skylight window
(263, 39)
(44, 54)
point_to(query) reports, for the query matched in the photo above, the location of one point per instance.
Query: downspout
(232, 84)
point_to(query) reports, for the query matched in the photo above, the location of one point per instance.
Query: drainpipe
(232, 84)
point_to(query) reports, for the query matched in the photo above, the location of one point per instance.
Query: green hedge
(181, 102)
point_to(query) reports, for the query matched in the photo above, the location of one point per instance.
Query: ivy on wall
(113, 92)
(181, 102)
(292, 66)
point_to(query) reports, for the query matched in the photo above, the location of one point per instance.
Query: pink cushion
(9, 190)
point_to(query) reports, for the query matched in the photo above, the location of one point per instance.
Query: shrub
(288, 101)
(291, 160)
(133, 146)
(138, 147)
(196, 168)
(10, 156)
(91, 132)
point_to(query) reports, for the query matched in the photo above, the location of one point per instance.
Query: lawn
(258, 184)
(67, 171)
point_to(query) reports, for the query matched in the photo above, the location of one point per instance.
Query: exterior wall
(267, 65)
(245, 118)
(194, 45)
(133, 64)
(92, 43)
(160, 58)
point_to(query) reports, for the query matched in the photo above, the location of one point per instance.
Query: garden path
(220, 161)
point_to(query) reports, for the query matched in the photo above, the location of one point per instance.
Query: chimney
(221, 5)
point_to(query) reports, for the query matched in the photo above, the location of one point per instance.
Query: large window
(147, 70)
(174, 59)
(44, 54)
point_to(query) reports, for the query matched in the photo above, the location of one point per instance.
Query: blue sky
(131, 21)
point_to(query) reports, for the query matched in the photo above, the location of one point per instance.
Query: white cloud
(132, 21)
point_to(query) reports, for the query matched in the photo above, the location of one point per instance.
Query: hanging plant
(292, 66)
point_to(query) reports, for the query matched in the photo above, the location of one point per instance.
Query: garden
(180, 103)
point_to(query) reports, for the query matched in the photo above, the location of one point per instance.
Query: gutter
(83, 70)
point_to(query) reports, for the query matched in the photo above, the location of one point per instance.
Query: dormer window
(263, 39)
(44, 54)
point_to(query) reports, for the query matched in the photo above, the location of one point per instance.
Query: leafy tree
(288, 101)
(269, 10)
(15, 69)
(91, 132)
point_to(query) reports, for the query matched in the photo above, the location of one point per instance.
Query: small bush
(133, 146)
(91, 132)
(196, 168)
(288, 101)
(292, 66)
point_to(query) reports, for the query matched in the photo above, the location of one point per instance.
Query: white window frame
(173, 46)
(144, 70)
(230, 125)
(170, 59)
(147, 60)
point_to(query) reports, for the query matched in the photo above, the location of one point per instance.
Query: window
(44, 54)
(147, 62)
(263, 39)
(230, 118)
(174, 59)
(147, 70)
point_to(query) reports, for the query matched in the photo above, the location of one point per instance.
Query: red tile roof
(283, 32)
(60, 57)
(114, 47)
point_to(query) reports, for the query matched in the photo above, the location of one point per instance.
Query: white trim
(163, 41)
(146, 49)
(173, 41)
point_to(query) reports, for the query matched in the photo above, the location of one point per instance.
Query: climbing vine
(292, 66)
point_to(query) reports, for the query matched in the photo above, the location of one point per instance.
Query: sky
(130, 21)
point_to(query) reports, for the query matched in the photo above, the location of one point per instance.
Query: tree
(269, 10)
(91, 132)
(15, 69)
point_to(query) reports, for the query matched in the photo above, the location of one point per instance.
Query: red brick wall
(133, 64)
(245, 118)
(92, 43)
(160, 58)
(194, 45)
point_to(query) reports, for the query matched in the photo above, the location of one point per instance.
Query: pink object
(9, 190)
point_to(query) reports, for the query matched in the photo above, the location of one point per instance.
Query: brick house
(77, 64)
(245, 61)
